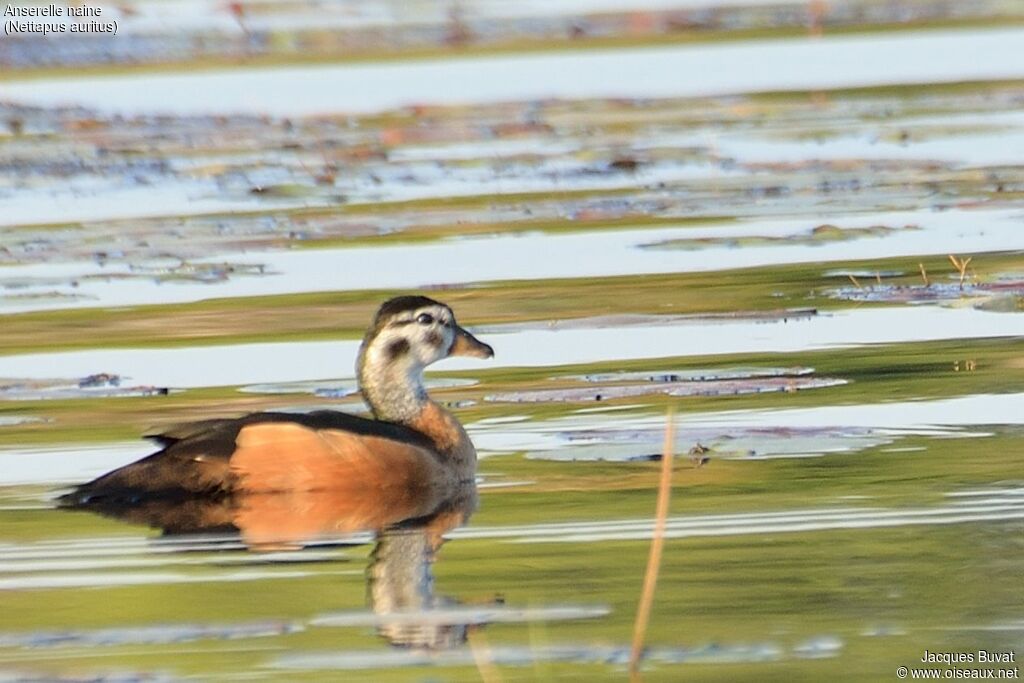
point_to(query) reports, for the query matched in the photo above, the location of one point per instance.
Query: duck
(412, 450)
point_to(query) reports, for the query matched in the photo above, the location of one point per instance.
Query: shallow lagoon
(857, 495)
(833, 62)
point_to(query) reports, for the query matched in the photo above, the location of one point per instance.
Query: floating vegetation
(696, 382)
(158, 199)
(819, 235)
(334, 389)
(146, 635)
(695, 374)
(102, 385)
(999, 296)
(718, 387)
(731, 443)
(187, 271)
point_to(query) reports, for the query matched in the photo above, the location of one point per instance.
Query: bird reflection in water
(409, 531)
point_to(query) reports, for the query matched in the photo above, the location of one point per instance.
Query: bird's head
(416, 331)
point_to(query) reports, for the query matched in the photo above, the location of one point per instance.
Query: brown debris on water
(697, 454)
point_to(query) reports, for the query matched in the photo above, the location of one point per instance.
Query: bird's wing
(287, 456)
(198, 458)
(302, 483)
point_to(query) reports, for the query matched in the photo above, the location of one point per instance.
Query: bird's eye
(424, 318)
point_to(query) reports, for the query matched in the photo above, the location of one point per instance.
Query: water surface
(846, 488)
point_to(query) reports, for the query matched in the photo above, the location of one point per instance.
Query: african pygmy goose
(412, 447)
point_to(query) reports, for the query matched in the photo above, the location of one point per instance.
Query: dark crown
(401, 304)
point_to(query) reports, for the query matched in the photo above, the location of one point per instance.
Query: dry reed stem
(643, 612)
(924, 275)
(854, 281)
(961, 266)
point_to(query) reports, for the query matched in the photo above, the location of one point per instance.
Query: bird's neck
(394, 391)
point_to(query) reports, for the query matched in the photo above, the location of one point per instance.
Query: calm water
(847, 491)
(642, 73)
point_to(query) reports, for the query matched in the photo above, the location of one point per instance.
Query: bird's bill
(468, 345)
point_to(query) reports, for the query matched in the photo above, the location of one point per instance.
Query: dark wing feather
(195, 458)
